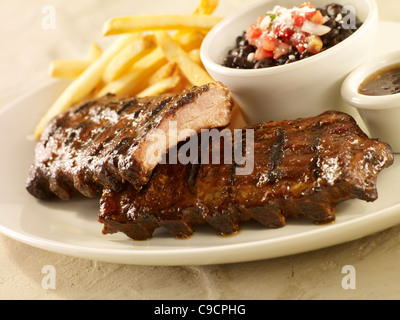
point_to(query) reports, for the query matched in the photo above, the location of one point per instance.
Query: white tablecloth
(26, 50)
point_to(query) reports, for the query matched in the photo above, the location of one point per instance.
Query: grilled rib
(301, 168)
(107, 142)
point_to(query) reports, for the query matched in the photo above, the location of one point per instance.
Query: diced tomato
(262, 54)
(299, 40)
(283, 32)
(300, 48)
(298, 19)
(317, 18)
(309, 15)
(268, 43)
(268, 54)
(281, 49)
(253, 32)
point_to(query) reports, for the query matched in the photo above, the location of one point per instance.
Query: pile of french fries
(152, 55)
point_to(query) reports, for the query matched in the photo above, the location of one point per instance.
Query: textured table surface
(26, 50)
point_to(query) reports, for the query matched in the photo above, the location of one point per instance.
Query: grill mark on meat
(122, 143)
(185, 99)
(84, 106)
(70, 138)
(161, 106)
(194, 172)
(305, 152)
(276, 155)
(137, 113)
(107, 141)
(316, 158)
(105, 170)
(102, 143)
(231, 180)
(126, 106)
(189, 96)
(82, 126)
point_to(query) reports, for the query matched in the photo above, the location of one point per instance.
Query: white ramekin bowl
(300, 89)
(381, 114)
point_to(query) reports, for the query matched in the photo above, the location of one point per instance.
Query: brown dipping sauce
(383, 82)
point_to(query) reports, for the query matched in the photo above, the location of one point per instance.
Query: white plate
(71, 228)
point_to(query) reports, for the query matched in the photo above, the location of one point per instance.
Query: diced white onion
(313, 28)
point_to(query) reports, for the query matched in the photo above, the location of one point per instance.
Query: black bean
(348, 32)
(248, 65)
(234, 52)
(305, 54)
(327, 38)
(282, 60)
(238, 40)
(334, 42)
(331, 23)
(342, 36)
(243, 43)
(265, 63)
(239, 61)
(333, 9)
(228, 62)
(293, 51)
(245, 51)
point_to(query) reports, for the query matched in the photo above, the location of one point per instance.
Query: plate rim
(222, 254)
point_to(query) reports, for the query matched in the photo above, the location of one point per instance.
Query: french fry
(134, 79)
(189, 40)
(128, 56)
(195, 56)
(159, 22)
(71, 69)
(160, 87)
(68, 69)
(94, 53)
(206, 7)
(164, 72)
(190, 69)
(84, 84)
(127, 67)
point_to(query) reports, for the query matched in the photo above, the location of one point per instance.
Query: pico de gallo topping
(280, 29)
(285, 35)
